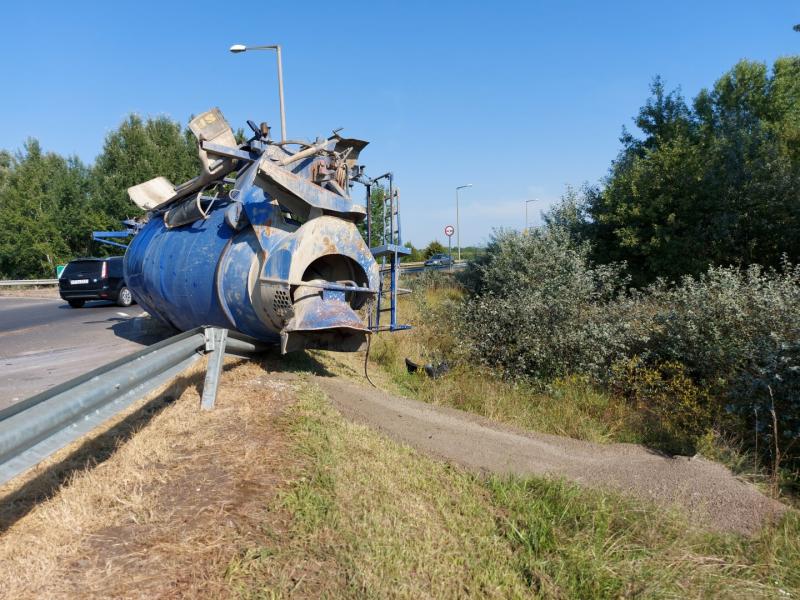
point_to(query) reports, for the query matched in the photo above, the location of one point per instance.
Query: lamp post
(526, 212)
(237, 48)
(458, 224)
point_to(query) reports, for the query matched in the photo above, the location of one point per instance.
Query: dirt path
(709, 490)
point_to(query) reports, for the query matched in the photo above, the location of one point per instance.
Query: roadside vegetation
(275, 494)
(534, 335)
(661, 307)
(365, 517)
(50, 204)
(711, 181)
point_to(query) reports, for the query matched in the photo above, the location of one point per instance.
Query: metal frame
(132, 228)
(24, 282)
(100, 236)
(391, 247)
(216, 339)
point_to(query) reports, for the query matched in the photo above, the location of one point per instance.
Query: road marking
(122, 314)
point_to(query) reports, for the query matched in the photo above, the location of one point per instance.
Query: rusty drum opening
(337, 268)
(325, 318)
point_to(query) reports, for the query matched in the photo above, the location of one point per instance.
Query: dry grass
(44, 292)
(157, 505)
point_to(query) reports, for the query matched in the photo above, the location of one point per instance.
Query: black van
(94, 279)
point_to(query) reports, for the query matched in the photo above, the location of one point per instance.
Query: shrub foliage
(714, 351)
(533, 307)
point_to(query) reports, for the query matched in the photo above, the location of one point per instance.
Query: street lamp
(237, 48)
(458, 224)
(526, 211)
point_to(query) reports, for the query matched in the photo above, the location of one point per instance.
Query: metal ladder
(389, 251)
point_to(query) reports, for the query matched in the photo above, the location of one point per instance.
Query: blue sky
(517, 98)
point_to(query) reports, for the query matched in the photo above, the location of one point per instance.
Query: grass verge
(362, 516)
(44, 291)
(274, 494)
(153, 505)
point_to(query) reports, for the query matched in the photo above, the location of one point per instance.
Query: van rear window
(86, 268)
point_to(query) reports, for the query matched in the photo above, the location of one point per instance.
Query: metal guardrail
(418, 267)
(24, 282)
(35, 428)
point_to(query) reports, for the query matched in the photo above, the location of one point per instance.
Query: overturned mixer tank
(264, 241)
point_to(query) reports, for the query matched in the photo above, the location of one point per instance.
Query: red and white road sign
(449, 230)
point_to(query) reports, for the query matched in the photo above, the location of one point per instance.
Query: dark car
(94, 279)
(439, 260)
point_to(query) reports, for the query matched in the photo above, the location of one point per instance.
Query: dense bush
(718, 349)
(535, 306)
(674, 411)
(737, 333)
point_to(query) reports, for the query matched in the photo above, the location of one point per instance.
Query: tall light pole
(526, 211)
(237, 48)
(458, 224)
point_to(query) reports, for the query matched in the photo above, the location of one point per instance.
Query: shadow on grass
(93, 451)
(98, 448)
(294, 362)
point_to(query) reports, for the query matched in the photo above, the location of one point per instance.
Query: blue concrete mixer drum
(273, 251)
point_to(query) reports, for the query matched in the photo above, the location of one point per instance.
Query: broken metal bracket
(238, 153)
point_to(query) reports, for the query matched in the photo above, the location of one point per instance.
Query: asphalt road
(44, 342)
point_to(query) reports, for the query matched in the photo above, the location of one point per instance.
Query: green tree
(44, 210)
(138, 150)
(377, 194)
(571, 214)
(49, 205)
(717, 183)
(416, 254)
(433, 248)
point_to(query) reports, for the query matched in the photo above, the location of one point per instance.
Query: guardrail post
(216, 338)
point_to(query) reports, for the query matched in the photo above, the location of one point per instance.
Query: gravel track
(710, 492)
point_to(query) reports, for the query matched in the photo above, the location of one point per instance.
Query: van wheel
(124, 298)
(76, 303)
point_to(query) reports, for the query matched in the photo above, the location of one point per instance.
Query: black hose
(366, 361)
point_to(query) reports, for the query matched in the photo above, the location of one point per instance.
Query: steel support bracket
(216, 337)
